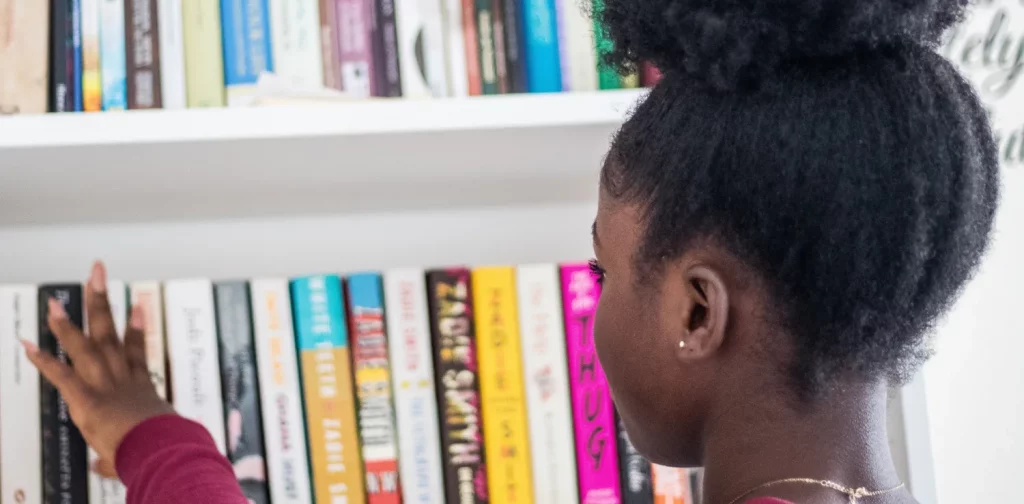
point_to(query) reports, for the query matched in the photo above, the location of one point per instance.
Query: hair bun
(731, 43)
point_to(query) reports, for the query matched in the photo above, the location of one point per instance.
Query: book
(24, 56)
(171, 26)
(65, 474)
(92, 79)
(502, 398)
(20, 451)
(113, 60)
(322, 338)
(388, 79)
(458, 389)
(329, 44)
(484, 20)
(355, 47)
(62, 57)
(204, 61)
(577, 47)
(671, 485)
(421, 48)
(76, 41)
(241, 389)
(148, 296)
(280, 392)
(635, 470)
(607, 76)
(143, 55)
(471, 45)
(373, 388)
(515, 25)
(247, 47)
(412, 373)
(543, 53)
(629, 81)
(193, 354)
(596, 451)
(552, 451)
(103, 490)
(295, 25)
(500, 52)
(649, 75)
(456, 51)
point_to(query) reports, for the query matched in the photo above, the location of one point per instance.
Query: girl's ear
(705, 313)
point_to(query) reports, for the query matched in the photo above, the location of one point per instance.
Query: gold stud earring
(682, 344)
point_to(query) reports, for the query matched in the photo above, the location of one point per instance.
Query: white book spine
(102, 490)
(547, 384)
(581, 48)
(172, 53)
(295, 35)
(148, 296)
(455, 49)
(195, 364)
(280, 392)
(421, 48)
(21, 479)
(419, 446)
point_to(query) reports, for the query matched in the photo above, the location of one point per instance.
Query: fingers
(135, 342)
(105, 469)
(56, 372)
(97, 306)
(88, 362)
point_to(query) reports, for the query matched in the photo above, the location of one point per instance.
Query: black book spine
(458, 387)
(635, 470)
(62, 56)
(65, 476)
(385, 50)
(515, 46)
(241, 389)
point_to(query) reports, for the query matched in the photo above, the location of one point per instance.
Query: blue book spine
(113, 60)
(543, 61)
(76, 40)
(247, 45)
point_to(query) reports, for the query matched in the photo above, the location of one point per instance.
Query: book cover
(515, 23)
(458, 390)
(92, 81)
(671, 485)
(247, 47)
(547, 384)
(412, 369)
(355, 46)
(241, 389)
(635, 470)
(543, 54)
(193, 352)
(62, 57)
(471, 45)
(607, 76)
(76, 41)
(373, 388)
(20, 451)
(65, 473)
(113, 60)
(25, 54)
(103, 490)
(204, 61)
(502, 395)
(171, 26)
(327, 387)
(456, 52)
(329, 44)
(148, 296)
(143, 54)
(295, 26)
(484, 22)
(421, 48)
(277, 366)
(596, 451)
(388, 81)
(577, 47)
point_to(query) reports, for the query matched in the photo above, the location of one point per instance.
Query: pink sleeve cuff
(154, 436)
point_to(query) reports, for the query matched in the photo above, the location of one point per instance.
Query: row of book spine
(145, 54)
(452, 385)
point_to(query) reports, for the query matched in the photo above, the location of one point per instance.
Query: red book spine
(476, 85)
(649, 75)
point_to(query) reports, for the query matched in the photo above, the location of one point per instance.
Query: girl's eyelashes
(597, 270)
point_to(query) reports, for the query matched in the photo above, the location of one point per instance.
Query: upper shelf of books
(375, 155)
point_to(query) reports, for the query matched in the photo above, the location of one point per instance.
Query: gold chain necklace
(853, 493)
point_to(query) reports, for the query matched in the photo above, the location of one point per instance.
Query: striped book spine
(327, 387)
(113, 62)
(20, 451)
(247, 47)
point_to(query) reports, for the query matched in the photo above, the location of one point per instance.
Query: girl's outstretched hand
(108, 389)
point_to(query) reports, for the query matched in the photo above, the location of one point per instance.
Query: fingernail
(57, 309)
(30, 348)
(98, 278)
(138, 320)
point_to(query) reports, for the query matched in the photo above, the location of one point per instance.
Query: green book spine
(485, 24)
(607, 76)
(204, 61)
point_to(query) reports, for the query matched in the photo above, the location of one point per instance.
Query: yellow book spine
(502, 396)
(204, 60)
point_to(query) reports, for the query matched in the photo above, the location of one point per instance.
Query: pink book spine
(592, 410)
(355, 46)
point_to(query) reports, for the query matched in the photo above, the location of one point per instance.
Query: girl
(780, 224)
